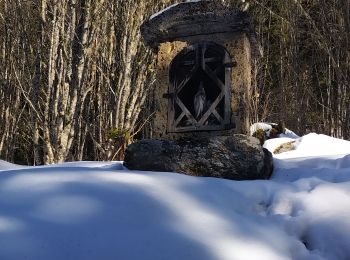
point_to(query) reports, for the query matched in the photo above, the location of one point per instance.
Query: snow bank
(9, 166)
(89, 210)
(310, 145)
(320, 145)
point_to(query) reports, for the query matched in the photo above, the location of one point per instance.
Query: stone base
(237, 157)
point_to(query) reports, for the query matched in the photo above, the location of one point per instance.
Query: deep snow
(94, 210)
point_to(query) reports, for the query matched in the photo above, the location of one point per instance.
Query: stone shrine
(204, 70)
(204, 78)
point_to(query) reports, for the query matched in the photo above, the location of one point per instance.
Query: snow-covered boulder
(237, 157)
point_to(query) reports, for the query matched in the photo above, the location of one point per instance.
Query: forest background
(75, 74)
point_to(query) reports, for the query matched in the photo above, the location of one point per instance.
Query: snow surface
(310, 145)
(100, 210)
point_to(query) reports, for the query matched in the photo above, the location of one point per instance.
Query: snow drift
(91, 210)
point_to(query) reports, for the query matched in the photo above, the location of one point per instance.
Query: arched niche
(200, 89)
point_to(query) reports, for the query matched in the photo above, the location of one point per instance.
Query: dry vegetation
(286, 147)
(74, 71)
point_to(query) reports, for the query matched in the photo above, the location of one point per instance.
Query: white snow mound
(97, 210)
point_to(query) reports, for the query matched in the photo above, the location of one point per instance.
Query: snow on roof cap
(171, 6)
(194, 18)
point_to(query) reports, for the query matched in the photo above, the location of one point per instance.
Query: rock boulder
(237, 157)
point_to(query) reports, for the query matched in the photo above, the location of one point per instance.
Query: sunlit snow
(170, 7)
(97, 210)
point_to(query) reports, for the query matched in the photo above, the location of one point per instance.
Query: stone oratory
(204, 78)
(204, 73)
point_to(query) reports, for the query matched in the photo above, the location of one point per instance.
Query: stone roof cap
(194, 18)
